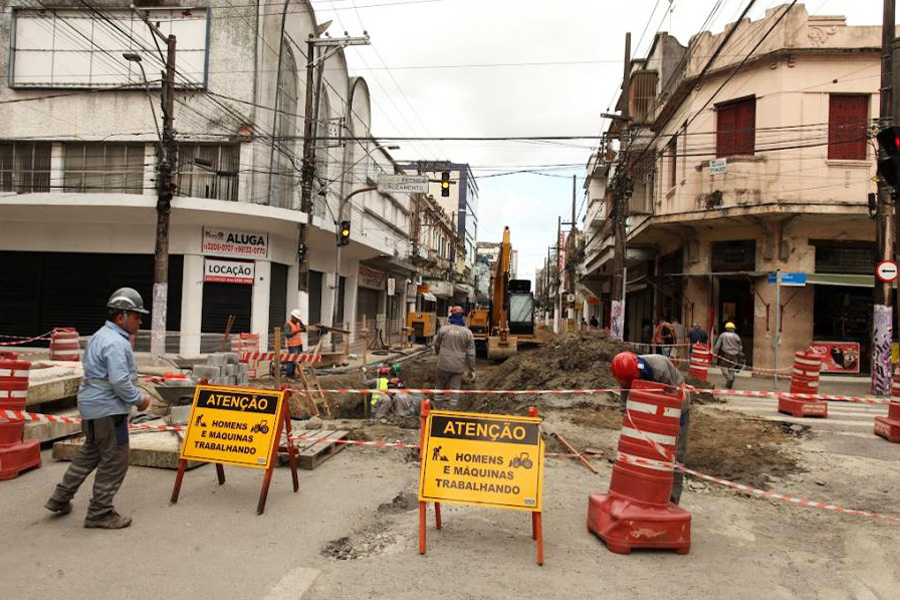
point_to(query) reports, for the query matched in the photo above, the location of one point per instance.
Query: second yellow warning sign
(482, 459)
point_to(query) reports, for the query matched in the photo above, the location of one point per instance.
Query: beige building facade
(761, 162)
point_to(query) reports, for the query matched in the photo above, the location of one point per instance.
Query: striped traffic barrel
(805, 373)
(13, 393)
(701, 360)
(64, 344)
(644, 470)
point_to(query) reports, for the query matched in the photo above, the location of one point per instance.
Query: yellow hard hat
(730, 325)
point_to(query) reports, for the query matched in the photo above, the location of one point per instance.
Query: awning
(841, 279)
(429, 296)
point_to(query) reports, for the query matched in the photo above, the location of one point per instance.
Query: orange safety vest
(295, 341)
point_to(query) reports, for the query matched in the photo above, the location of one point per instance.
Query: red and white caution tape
(23, 340)
(284, 356)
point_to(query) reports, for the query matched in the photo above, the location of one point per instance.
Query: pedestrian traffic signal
(344, 233)
(445, 184)
(889, 143)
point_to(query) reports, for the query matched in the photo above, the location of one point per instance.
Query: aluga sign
(235, 244)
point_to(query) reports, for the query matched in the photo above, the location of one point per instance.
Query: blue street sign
(790, 279)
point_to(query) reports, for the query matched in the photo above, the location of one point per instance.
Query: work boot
(61, 508)
(111, 520)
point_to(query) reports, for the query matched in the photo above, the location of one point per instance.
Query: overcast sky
(517, 68)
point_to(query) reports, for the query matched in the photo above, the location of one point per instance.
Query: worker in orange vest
(293, 335)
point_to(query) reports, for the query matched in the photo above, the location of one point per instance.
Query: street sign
(718, 166)
(482, 459)
(790, 279)
(412, 184)
(886, 271)
(233, 426)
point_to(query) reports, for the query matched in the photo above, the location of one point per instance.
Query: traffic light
(889, 143)
(445, 184)
(344, 233)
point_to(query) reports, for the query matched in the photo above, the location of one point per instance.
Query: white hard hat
(296, 313)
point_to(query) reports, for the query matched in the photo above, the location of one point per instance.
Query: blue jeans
(666, 350)
(291, 366)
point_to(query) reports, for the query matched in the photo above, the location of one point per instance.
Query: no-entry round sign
(886, 271)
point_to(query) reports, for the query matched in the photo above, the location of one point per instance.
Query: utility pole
(881, 318)
(310, 111)
(165, 190)
(559, 245)
(620, 209)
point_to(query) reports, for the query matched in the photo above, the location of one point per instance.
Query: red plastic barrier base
(625, 525)
(802, 408)
(19, 457)
(888, 428)
(11, 432)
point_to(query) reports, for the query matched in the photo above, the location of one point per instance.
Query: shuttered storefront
(277, 296)
(43, 290)
(367, 304)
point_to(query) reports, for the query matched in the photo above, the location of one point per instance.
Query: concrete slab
(153, 449)
(53, 383)
(46, 432)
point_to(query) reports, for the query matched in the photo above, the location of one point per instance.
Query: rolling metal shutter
(277, 296)
(43, 290)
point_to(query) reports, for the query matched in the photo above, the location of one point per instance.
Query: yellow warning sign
(482, 459)
(232, 425)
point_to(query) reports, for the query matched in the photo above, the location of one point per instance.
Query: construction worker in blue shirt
(105, 399)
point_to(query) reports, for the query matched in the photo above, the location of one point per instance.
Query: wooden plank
(313, 456)
(311, 453)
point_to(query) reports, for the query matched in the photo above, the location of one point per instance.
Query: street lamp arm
(346, 199)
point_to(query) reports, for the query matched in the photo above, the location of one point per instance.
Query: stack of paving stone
(222, 368)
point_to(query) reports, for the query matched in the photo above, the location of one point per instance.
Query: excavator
(509, 320)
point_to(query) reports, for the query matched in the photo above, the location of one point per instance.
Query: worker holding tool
(627, 367)
(729, 351)
(455, 347)
(105, 399)
(293, 335)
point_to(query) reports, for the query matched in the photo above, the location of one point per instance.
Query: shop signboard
(372, 278)
(235, 244)
(228, 271)
(837, 357)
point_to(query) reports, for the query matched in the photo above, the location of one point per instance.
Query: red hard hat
(625, 367)
(456, 310)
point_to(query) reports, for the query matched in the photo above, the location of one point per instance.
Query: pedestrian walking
(627, 367)
(664, 337)
(680, 338)
(105, 399)
(729, 352)
(697, 335)
(455, 347)
(595, 324)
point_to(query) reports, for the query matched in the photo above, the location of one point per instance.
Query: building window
(104, 168)
(845, 257)
(208, 171)
(848, 116)
(25, 168)
(672, 151)
(733, 256)
(284, 175)
(736, 128)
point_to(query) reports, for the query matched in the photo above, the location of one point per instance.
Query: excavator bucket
(501, 349)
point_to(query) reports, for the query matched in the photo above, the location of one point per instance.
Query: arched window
(286, 173)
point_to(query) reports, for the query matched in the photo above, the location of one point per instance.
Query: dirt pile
(574, 360)
(721, 443)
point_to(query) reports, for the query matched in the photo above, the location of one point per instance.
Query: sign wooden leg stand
(182, 465)
(537, 521)
(423, 506)
(284, 420)
(220, 473)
